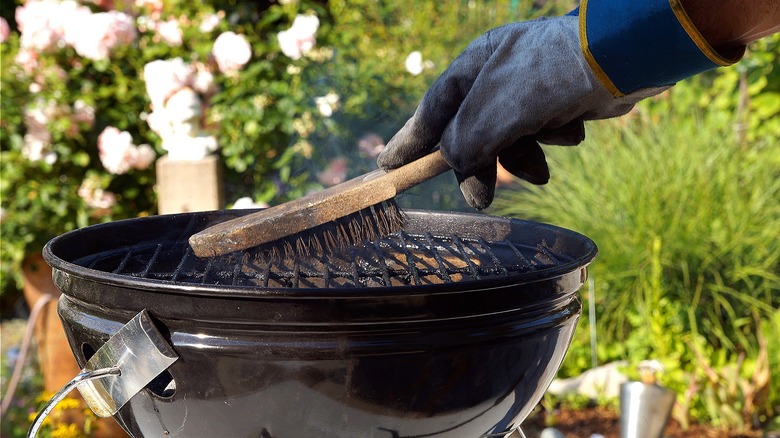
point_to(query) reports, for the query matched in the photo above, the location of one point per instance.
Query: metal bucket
(644, 409)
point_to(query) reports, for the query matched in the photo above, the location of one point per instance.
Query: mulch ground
(582, 423)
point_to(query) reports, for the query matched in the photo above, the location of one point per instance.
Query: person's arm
(641, 44)
(530, 83)
(727, 25)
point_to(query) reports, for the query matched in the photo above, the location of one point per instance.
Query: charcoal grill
(453, 327)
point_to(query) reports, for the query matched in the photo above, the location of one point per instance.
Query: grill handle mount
(114, 374)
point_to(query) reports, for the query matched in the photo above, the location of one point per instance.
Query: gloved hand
(512, 88)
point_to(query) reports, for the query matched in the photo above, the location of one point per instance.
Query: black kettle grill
(453, 327)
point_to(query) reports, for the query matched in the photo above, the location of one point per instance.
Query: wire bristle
(368, 224)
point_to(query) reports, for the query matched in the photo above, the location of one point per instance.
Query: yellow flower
(68, 403)
(44, 397)
(66, 431)
(304, 148)
(304, 126)
(33, 415)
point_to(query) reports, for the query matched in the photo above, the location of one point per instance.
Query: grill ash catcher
(452, 327)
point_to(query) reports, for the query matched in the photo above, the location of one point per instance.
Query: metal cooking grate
(398, 259)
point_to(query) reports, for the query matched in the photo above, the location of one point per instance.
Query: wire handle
(516, 433)
(65, 390)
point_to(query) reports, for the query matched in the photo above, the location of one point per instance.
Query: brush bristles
(368, 224)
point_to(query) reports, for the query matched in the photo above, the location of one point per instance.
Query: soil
(582, 423)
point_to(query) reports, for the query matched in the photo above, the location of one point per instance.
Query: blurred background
(682, 195)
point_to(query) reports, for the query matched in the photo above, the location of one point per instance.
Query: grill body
(440, 348)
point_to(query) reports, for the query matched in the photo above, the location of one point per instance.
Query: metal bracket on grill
(113, 375)
(517, 433)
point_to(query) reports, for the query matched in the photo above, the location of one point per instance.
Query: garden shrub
(688, 272)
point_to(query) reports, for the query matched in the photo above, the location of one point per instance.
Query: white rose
(300, 38)
(414, 63)
(170, 32)
(247, 202)
(327, 104)
(182, 106)
(164, 78)
(209, 23)
(231, 52)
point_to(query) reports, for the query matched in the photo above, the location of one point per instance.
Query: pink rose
(371, 145)
(118, 154)
(38, 116)
(231, 52)
(37, 149)
(83, 113)
(27, 59)
(300, 38)
(44, 24)
(95, 196)
(37, 141)
(39, 25)
(143, 157)
(156, 6)
(5, 31)
(209, 23)
(335, 173)
(203, 80)
(114, 148)
(170, 32)
(93, 36)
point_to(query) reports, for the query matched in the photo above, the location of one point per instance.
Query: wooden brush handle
(315, 209)
(418, 171)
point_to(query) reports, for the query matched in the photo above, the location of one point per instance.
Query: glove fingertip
(478, 201)
(526, 160)
(386, 159)
(570, 134)
(414, 140)
(479, 189)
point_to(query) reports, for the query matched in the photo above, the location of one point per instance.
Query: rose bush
(291, 95)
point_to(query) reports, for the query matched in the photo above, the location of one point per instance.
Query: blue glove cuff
(639, 44)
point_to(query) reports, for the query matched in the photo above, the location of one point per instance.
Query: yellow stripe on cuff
(589, 58)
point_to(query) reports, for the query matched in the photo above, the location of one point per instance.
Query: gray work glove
(512, 88)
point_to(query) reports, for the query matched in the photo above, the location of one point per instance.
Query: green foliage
(273, 139)
(685, 212)
(372, 41)
(745, 96)
(40, 197)
(16, 420)
(255, 116)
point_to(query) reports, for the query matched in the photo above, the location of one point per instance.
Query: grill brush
(345, 214)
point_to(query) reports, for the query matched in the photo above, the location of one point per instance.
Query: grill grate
(399, 259)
